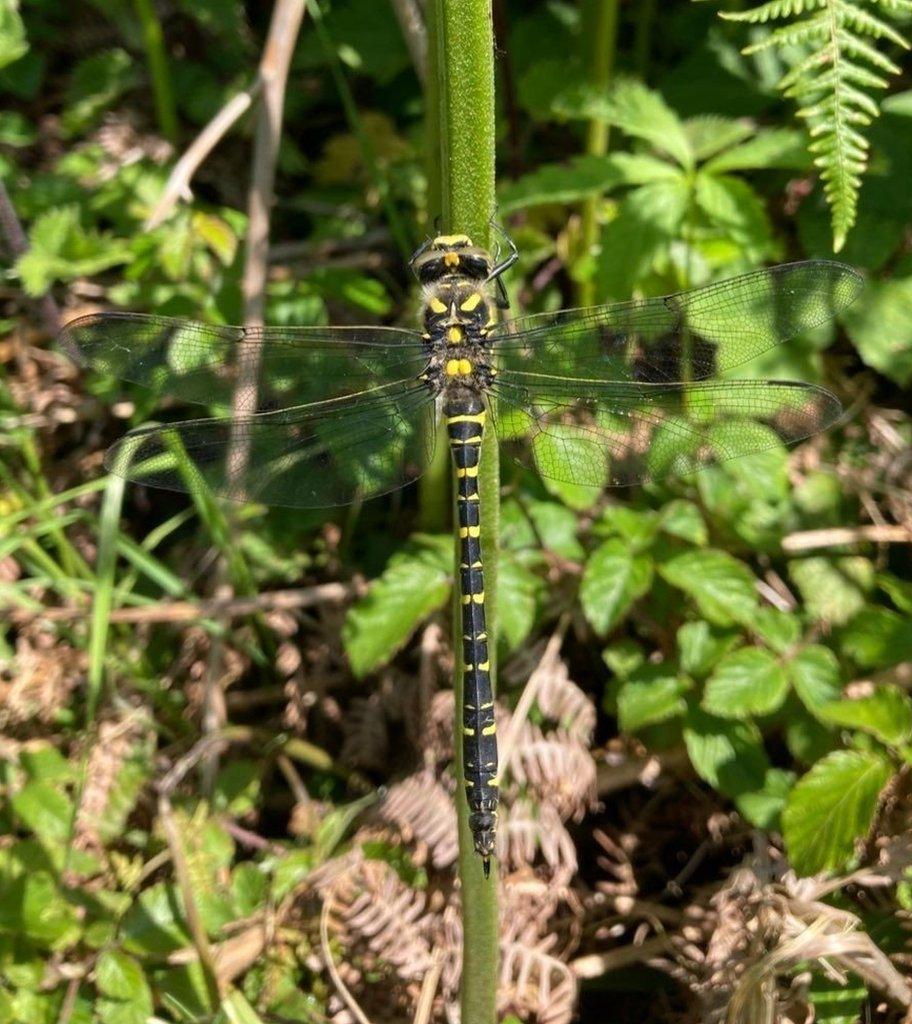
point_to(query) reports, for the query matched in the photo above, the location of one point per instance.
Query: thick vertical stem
(601, 22)
(159, 72)
(461, 61)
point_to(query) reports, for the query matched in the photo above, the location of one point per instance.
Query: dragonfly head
(451, 255)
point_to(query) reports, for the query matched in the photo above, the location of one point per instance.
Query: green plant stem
(434, 493)
(157, 58)
(642, 41)
(601, 22)
(461, 61)
(109, 527)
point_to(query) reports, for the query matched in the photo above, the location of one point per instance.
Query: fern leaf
(832, 82)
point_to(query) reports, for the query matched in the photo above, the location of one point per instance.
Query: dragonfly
(612, 395)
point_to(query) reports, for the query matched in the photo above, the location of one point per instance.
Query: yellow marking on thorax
(437, 306)
(454, 335)
(458, 368)
(489, 730)
(471, 303)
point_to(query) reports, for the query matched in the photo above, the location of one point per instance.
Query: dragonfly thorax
(457, 311)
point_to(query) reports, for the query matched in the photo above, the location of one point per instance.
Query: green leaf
(44, 916)
(877, 638)
(700, 646)
(733, 207)
(763, 807)
(556, 527)
(236, 1010)
(831, 808)
(777, 629)
(710, 134)
(562, 454)
(814, 672)
(839, 65)
(723, 587)
(155, 922)
(15, 129)
(13, 42)
(119, 977)
(636, 110)
(569, 182)
(60, 249)
(637, 526)
(96, 82)
(837, 1002)
(613, 579)
(518, 590)
(833, 589)
(886, 714)
(727, 754)
(748, 682)
(416, 582)
(682, 518)
(46, 810)
(772, 148)
(654, 693)
(880, 327)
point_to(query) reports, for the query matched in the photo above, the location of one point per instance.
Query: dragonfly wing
(691, 335)
(603, 434)
(309, 457)
(249, 370)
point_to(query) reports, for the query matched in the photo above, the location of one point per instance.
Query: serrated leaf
(682, 518)
(763, 807)
(44, 916)
(745, 683)
(637, 526)
(781, 148)
(119, 976)
(831, 808)
(567, 182)
(732, 206)
(778, 629)
(833, 589)
(886, 714)
(613, 579)
(710, 134)
(700, 646)
(95, 83)
(727, 754)
(654, 693)
(636, 110)
(723, 588)
(416, 582)
(814, 672)
(46, 810)
(877, 638)
(561, 452)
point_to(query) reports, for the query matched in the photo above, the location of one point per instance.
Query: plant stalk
(461, 66)
(601, 20)
(157, 57)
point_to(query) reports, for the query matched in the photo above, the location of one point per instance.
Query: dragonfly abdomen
(465, 420)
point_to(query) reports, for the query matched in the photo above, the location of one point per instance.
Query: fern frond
(832, 82)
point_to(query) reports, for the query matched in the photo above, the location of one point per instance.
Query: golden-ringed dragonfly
(606, 396)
